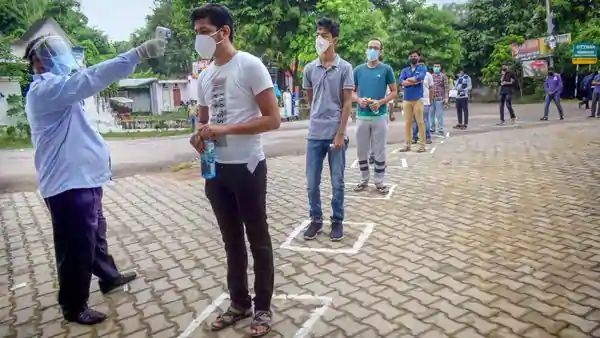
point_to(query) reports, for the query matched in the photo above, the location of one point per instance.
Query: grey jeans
(371, 137)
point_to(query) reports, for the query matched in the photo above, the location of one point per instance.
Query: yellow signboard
(585, 61)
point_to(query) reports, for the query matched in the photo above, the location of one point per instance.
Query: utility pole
(550, 31)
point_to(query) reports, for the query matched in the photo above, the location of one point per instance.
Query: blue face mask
(63, 64)
(372, 54)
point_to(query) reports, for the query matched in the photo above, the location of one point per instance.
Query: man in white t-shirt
(236, 103)
(427, 84)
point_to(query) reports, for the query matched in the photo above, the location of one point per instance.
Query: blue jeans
(316, 151)
(416, 127)
(549, 98)
(436, 116)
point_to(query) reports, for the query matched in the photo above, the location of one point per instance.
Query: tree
(426, 28)
(502, 54)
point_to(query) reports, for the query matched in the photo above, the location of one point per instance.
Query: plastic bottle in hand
(207, 161)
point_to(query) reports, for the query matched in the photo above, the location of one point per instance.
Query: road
(158, 154)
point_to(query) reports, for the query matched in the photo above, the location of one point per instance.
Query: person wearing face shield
(411, 79)
(72, 164)
(236, 104)
(329, 85)
(372, 80)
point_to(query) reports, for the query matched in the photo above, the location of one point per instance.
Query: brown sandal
(262, 323)
(229, 317)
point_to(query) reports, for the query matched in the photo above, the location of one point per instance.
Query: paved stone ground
(495, 234)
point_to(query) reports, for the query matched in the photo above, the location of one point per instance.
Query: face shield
(55, 55)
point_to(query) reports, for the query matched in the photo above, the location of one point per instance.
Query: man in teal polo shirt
(372, 80)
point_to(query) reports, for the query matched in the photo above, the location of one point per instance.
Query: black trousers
(80, 245)
(462, 110)
(238, 198)
(506, 99)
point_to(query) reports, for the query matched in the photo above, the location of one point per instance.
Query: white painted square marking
(362, 238)
(325, 302)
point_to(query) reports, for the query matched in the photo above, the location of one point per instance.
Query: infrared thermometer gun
(162, 33)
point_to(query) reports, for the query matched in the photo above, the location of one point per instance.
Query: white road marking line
(304, 330)
(448, 134)
(18, 286)
(386, 197)
(442, 142)
(203, 315)
(369, 227)
(404, 163)
(432, 150)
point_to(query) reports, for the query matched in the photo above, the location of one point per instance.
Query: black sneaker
(337, 231)
(125, 278)
(562, 118)
(414, 141)
(371, 159)
(544, 119)
(428, 141)
(85, 317)
(313, 230)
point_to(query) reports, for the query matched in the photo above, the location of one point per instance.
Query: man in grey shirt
(329, 84)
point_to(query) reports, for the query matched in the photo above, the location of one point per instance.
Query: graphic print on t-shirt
(218, 107)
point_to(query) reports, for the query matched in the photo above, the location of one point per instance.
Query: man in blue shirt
(372, 80)
(72, 163)
(411, 79)
(554, 87)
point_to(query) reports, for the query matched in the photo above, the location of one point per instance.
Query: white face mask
(206, 45)
(321, 45)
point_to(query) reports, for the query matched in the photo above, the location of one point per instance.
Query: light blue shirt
(69, 151)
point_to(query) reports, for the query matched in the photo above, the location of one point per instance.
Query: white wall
(7, 87)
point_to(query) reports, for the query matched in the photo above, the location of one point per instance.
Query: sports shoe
(124, 278)
(405, 149)
(544, 118)
(382, 189)
(513, 120)
(421, 149)
(313, 230)
(85, 317)
(361, 187)
(428, 141)
(501, 123)
(337, 231)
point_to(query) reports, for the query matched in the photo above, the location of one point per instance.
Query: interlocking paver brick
(509, 252)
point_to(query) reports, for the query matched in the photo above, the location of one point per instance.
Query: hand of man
(338, 141)
(412, 79)
(151, 49)
(406, 83)
(197, 142)
(375, 105)
(363, 102)
(212, 131)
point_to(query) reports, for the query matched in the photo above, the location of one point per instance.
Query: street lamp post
(550, 26)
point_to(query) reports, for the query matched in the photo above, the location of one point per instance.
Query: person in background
(73, 163)
(586, 90)
(192, 113)
(463, 86)
(439, 91)
(373, 80)
(596, 95)
(411, 79)
(236, 104)
(507, 84)
(427, 99)
(329, 85)
(554, 87)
